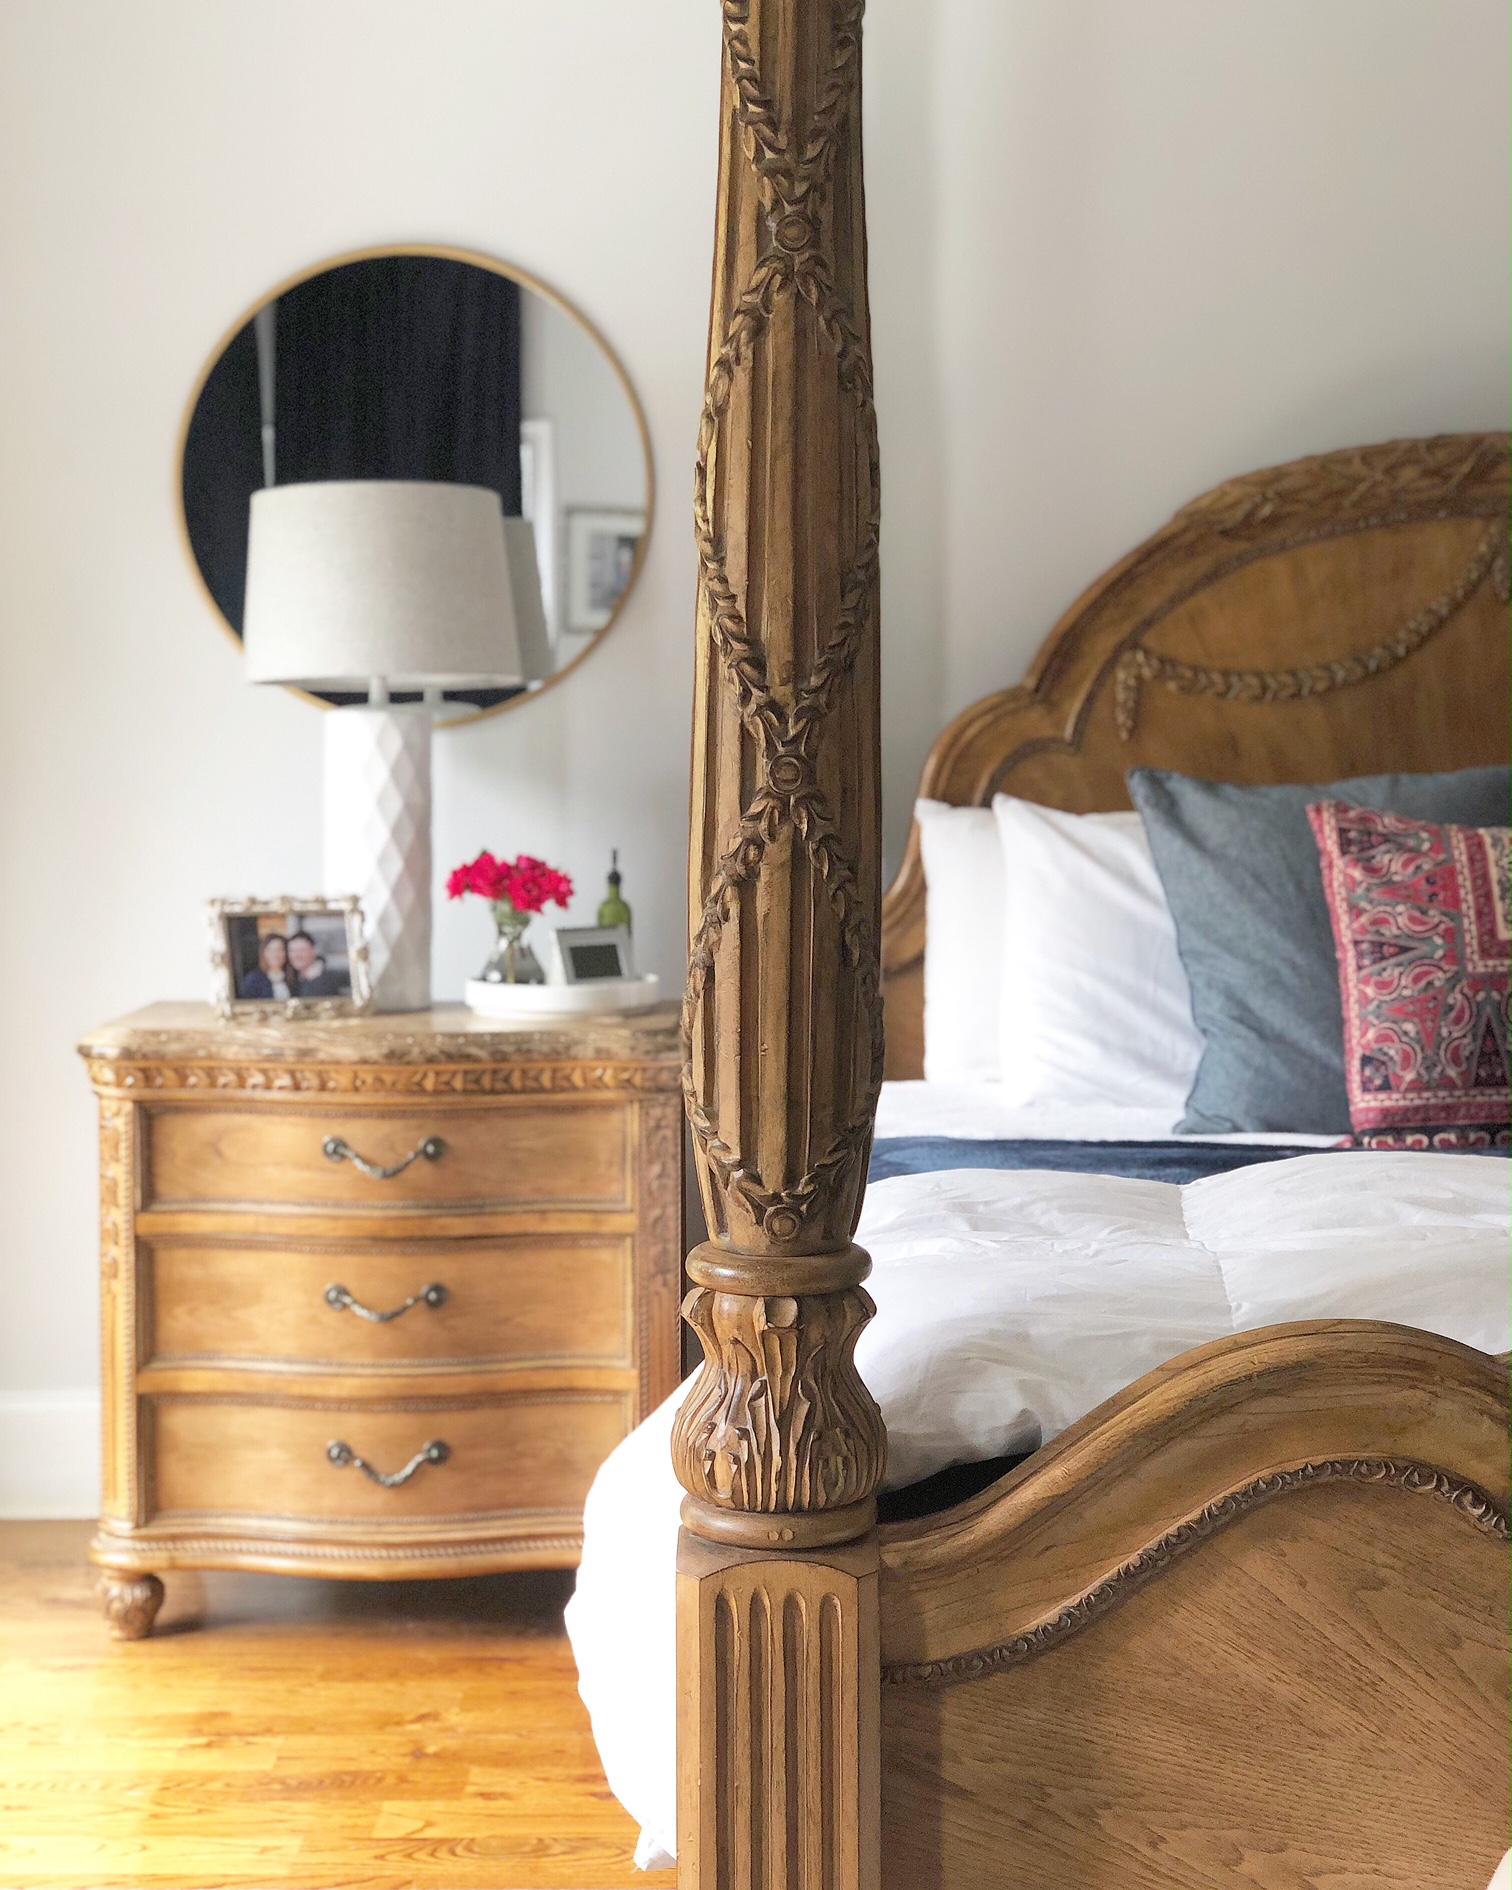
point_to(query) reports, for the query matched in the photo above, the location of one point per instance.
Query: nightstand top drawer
(570, 1154)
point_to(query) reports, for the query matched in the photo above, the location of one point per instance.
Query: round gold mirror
(420, 362)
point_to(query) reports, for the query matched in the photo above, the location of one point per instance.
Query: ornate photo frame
(301, 919)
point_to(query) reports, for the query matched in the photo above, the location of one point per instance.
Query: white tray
(599, 997)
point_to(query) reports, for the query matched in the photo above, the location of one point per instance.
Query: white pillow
(963, 947)
(1095, 1007)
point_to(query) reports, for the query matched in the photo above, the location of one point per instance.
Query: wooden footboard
(1247, 1623)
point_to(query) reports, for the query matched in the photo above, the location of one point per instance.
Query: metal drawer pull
(335, 1150)
(343, 1454)
(342, 1301)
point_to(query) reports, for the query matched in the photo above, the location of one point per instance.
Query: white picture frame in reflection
(538, 507)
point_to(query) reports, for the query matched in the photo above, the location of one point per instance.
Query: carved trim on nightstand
(660, 1256)
(111, 1075)
(118, 1283)
(115, 1186)
(166, 1548)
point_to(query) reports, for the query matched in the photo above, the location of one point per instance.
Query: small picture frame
(585, 954)
(288, 957)
(603, 553)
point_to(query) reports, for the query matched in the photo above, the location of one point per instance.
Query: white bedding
(1011, 1303)
(976, 1112)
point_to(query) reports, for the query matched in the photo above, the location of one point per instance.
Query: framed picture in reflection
(603, 556)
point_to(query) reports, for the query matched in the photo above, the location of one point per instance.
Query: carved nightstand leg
(131, 1603)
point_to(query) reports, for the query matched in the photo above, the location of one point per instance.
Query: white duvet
(1009, 1304)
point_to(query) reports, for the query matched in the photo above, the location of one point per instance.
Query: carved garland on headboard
(1361, 488)
(1138, 666)
(787, 792)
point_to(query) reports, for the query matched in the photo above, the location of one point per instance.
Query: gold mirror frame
(450, 253)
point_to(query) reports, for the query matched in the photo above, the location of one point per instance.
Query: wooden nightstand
(379, 1294)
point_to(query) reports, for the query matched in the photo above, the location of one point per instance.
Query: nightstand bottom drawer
(530, 1451)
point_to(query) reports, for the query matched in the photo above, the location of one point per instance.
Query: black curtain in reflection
(400, 367)
(403, 367)
(222, 469)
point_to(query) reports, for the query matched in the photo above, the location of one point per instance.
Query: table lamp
(385, 585)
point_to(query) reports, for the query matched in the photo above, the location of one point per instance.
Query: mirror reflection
(416, 363)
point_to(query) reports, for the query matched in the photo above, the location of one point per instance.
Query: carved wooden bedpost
(779, 1444)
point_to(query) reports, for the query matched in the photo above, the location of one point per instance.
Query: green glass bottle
(614, 910)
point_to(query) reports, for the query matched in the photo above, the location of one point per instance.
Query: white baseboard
(49, 1454)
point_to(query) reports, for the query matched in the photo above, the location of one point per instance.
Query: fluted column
(779, 1445)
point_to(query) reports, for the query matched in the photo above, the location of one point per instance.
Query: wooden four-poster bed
(1154, 1653)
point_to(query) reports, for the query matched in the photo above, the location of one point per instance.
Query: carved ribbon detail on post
(782, 1019)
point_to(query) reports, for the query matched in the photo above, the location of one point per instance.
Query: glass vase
(511, 961)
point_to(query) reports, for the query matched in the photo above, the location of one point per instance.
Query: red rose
(527, 883)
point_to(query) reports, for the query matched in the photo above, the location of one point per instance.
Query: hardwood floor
(286, 1733)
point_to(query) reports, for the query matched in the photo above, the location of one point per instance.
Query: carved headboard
(1341, 615)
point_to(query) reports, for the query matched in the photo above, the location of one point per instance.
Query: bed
(1244, 1620)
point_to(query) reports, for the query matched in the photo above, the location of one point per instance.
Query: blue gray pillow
(1240, 869)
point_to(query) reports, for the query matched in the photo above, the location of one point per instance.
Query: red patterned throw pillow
(1420, 924)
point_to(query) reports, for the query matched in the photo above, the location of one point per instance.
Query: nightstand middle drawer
(558, 1299)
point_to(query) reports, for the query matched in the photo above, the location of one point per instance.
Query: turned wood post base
(130, 1604)
(778, 1748)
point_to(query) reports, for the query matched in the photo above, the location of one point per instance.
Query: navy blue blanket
(1140, 1161)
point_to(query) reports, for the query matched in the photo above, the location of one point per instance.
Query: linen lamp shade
(401, 580)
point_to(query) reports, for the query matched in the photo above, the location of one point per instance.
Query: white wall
(1119, 249)
(1180, 239)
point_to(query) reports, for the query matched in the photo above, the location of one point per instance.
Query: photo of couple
(278, 956)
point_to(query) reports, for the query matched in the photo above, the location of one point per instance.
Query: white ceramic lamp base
(378, 841)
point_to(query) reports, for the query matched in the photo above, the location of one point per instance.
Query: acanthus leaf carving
(778, 1421)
